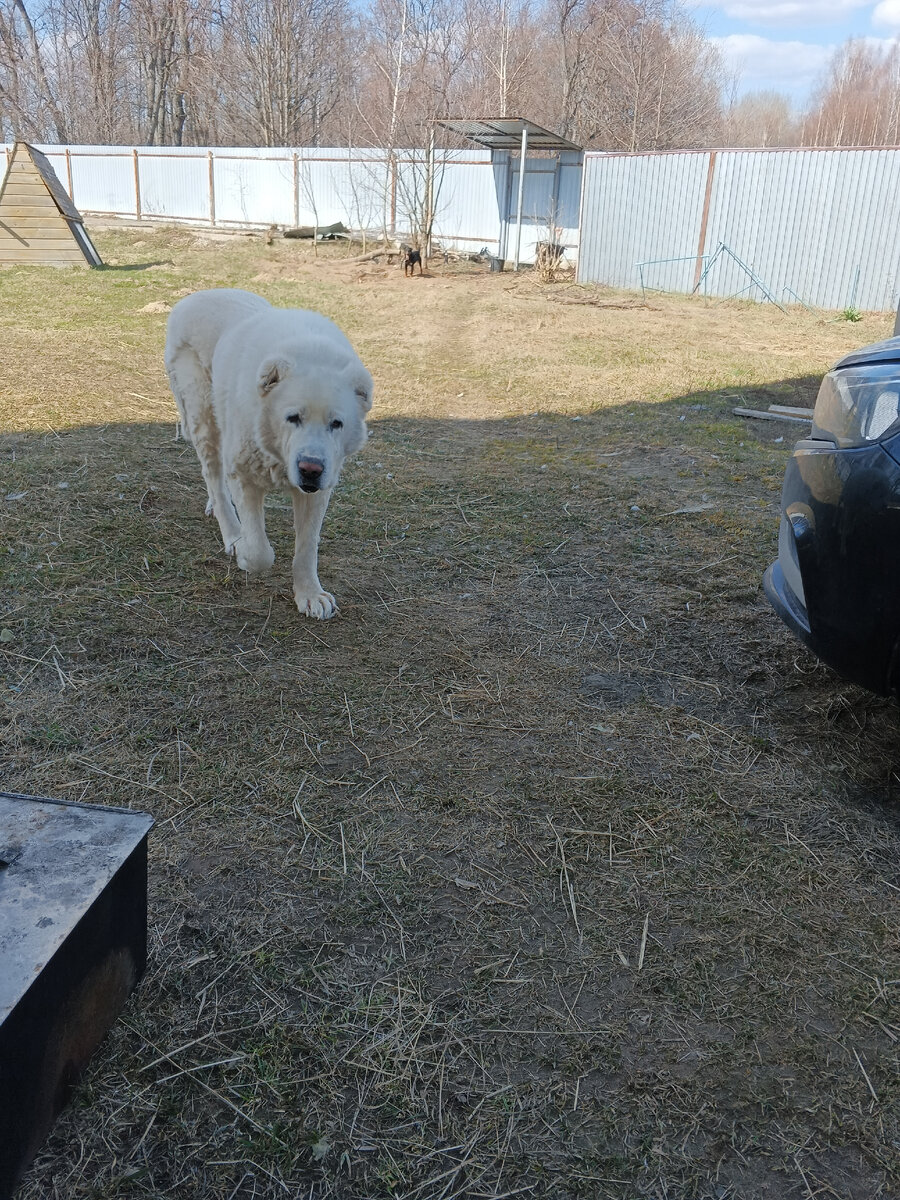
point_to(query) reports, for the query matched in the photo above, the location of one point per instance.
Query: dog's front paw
(256, 560)
(321, 605)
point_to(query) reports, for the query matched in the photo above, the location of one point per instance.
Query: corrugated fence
(474, 197)
(820, 227)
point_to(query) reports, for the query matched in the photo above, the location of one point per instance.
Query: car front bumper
(839, 548)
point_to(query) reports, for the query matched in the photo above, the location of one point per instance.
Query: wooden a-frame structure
(39, 224)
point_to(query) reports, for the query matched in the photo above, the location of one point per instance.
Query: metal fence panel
(817, 226)
(252, 190)
(569, 194)
(821, 226)
(353, 190)
(103, 180)
(174, 187)
(363, 188)
(466, 202)
(642, 208)
(410, 177)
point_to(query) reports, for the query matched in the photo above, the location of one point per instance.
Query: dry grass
(553, 867)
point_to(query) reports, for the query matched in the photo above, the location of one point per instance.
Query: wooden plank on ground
(770, 416)
(788, 410)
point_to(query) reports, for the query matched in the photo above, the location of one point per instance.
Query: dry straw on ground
(553, 867)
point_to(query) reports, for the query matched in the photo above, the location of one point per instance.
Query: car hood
(878, 352)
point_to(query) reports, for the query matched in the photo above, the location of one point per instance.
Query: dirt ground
(553, 866)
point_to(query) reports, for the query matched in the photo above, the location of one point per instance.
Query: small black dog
(410, 256)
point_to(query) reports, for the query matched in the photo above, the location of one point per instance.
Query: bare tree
(857, 102)
(620, 74)
(159, 32)
(89, 57)
(33, 100)
(503, 36)
(280, 58)
(654, 81)
(763, 119)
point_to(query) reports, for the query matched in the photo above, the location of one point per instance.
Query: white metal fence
(364, 189)
(821, 227)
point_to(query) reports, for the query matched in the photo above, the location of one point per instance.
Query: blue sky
(784, 44)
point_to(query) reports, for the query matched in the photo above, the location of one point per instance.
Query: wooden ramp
(39, 224)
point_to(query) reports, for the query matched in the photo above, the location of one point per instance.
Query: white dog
(270, 398)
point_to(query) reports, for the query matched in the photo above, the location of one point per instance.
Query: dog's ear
(270, 373)
(362, 385)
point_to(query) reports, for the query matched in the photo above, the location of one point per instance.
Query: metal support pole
(524, 151)
(429, 192)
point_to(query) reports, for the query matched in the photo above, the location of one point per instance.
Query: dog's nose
(310, 472)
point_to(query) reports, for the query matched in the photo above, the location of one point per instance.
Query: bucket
(496, 264)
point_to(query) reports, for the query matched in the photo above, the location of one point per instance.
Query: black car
(836, 582)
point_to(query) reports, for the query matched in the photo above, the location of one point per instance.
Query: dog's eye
(295, 418)
(336, 425)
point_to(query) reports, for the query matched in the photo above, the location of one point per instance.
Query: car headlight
(858, 405)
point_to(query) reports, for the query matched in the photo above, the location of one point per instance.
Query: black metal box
(73, 944)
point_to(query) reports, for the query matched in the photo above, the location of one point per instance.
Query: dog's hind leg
(252, 550)
(192, 390)
(309, 513)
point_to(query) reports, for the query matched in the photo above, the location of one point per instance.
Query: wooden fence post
(704, 218)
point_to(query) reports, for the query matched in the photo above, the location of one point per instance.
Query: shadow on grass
(673, 507)
(554, 810)
(144, 266)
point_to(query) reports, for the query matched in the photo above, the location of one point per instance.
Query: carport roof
(505, 133)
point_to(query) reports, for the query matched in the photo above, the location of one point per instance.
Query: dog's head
(315, 415)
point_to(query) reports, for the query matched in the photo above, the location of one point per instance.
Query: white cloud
(887, 13)
(792, 12)
(763, 63)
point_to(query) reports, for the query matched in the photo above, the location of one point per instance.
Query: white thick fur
(261, 390)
